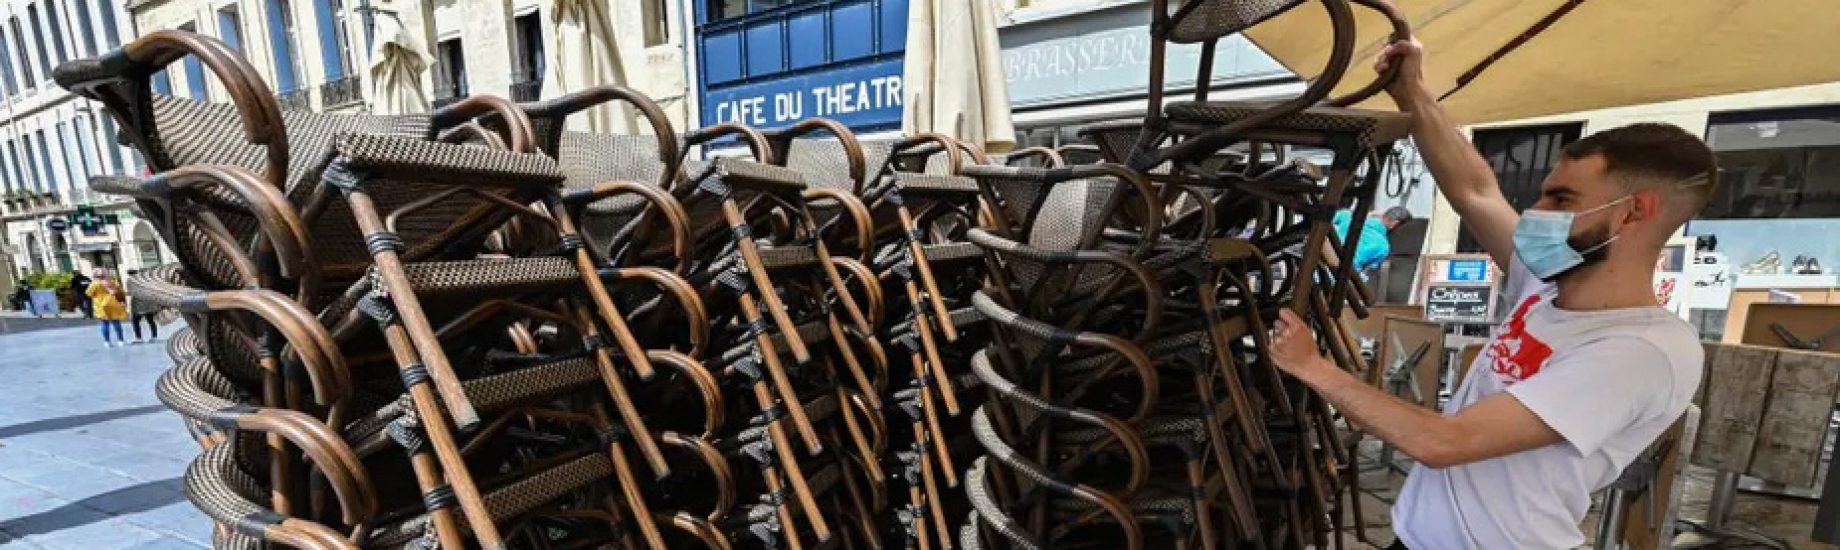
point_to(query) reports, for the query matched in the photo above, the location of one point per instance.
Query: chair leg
(629, 485)
(750, 312)
(409, 310)
(622, 400)
(782, 446)
(446, 451)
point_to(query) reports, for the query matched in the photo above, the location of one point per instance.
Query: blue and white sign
(1467, 271)
(859, 96)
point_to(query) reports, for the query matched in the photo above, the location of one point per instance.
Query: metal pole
(1610, 520)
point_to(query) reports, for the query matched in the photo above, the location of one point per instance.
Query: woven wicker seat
(1371, 128)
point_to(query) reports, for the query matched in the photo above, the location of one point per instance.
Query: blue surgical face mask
(1542, 240)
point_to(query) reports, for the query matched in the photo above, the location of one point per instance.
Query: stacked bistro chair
(917, 210)
(487, 327)
(363, 368)
(790, 326)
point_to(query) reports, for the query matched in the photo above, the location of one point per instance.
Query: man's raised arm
(1462, 175)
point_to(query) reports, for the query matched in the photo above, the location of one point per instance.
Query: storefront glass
(1779, 175)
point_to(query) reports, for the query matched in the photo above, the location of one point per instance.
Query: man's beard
(1581, 243)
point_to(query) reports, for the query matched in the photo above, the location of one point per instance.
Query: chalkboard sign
(1459, 303)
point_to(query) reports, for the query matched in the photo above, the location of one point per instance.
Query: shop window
(1521, 158)
(1782, 163)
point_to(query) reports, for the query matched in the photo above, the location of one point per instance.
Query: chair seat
(939, 254)
(1371, 127)
(789, 257)
(927, 185)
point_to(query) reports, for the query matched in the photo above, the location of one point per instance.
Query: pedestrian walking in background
(79, 293)
(109, 303)
(142, 310)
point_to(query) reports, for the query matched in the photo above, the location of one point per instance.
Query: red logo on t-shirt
(1515, 353)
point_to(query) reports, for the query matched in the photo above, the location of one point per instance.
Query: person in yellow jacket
(111, 305)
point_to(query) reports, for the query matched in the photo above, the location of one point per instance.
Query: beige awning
(954, 77)
(397, 63)
(586, 54)
(1581, 54)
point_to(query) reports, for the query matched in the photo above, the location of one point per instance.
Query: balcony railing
(295, 100)
(341, 92)
(528, 90)
(447, 94)
(528, 86)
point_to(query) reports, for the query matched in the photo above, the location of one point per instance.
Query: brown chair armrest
(120, 79)
(517, 126)
(1401, 31)
(781, 140)
(756, 142)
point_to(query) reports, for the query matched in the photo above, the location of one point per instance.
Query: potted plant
(50, 291)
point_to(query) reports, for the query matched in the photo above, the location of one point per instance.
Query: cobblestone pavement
(89, 459)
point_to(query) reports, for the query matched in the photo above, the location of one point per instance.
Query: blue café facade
(771, 63)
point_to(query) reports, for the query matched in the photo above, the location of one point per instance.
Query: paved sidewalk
(89, 459)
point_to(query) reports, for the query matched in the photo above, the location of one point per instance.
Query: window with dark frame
(450, 81)
(281, 39)
(1776, 163)
(47, 168)
(38, 37)
(334, 44)
(111, 34)
(194, 71)
(6, 66)
(657, 22)
(53, 20)
(527, 82)
(86, 47)
(230, 27)
(1521, 157)
(19, 49)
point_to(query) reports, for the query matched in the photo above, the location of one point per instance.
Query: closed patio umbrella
(586, 55)
(1509, 59)
(954, 77)
(397, 63)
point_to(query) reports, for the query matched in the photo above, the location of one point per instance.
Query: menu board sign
(1459, 303)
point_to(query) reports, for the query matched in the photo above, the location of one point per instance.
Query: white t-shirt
(1608, 381)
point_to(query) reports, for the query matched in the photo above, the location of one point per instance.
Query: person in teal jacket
(1373, 248)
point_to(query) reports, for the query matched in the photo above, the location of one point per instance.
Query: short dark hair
(1397, 214)
(1653, 154)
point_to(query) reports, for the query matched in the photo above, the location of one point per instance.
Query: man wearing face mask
(1587, 369)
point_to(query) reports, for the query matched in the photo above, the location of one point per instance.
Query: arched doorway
(147, 245)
